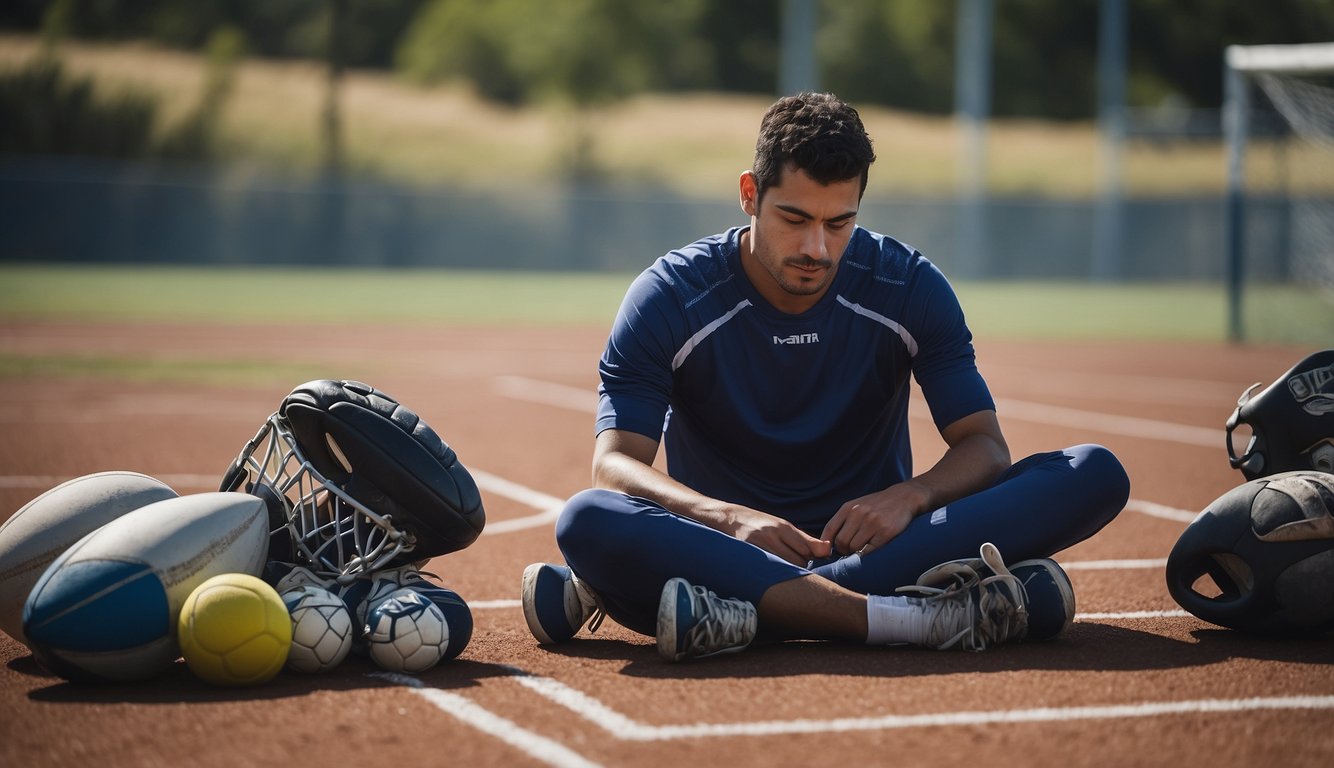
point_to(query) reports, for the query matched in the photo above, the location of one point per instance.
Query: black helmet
(1291, 421)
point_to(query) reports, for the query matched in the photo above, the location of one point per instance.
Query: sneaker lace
(970, 611)
(299, 576)
(593, 611)
(406, 573)
(722, 624)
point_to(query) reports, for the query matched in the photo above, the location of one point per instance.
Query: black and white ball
(321, 629)
(406, 632)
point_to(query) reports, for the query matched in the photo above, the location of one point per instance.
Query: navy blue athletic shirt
(789, 414)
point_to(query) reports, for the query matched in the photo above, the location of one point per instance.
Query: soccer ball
(321, 629)
(234, 630)
(406, 632)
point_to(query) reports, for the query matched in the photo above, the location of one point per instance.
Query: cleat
(694, 623)
(974, 604)
(556, 603)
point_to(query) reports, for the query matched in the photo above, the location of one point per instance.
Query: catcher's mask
(355, 482)
(1291, 421)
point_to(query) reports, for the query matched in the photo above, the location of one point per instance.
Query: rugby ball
(49, 524)
(106, 609)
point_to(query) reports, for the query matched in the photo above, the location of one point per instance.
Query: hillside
(695, 144)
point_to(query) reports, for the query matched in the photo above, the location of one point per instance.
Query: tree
(586, 52)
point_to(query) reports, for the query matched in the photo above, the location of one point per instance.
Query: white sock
(895, 619)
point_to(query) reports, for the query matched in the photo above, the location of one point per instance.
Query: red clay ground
(1131, 683)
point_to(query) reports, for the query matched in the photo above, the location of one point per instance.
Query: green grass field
(242, 296)
(252, 295)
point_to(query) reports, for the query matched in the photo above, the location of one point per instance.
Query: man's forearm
(969, 466)
(626, 474)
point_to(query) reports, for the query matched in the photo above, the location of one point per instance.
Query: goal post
(1292, 88)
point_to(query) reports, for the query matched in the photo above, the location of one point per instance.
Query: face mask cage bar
(331, 533)
(1249, 460)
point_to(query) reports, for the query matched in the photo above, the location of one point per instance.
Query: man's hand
(976, 456)
(773, 534)
(863, 524)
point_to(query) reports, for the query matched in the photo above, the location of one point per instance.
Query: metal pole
(1108, 228)
(799, 71)
(972, 107)
(1236, 112)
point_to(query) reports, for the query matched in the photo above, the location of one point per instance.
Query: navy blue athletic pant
(626, 548)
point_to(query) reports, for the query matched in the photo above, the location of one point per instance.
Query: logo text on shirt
(798, 338)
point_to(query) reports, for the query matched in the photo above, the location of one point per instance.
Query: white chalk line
(1161, 511)
(1115, 565)
(1133, 615)
(550, 506)
(585, 401)
(1124, 388)
(1127, 426)
(535, 746)
(492, 605)
(625, 728)
(548, 393)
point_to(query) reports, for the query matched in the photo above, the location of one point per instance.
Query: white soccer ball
(406, 632)
(321, 629)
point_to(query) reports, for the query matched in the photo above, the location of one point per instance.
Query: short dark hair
(818, 133)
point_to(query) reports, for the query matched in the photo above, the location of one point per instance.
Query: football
(107, 608)
(406, 632)
(234, 630)
(51, 523)
(321, 629)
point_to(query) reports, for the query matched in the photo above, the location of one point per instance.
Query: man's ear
(750, 191)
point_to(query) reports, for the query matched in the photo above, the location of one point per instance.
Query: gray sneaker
(694, 622)
(973, 604)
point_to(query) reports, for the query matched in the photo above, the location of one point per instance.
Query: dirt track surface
(1133, 682)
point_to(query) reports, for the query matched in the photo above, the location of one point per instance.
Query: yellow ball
(234, 630)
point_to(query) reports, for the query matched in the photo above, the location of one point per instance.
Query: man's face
(797, 237)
